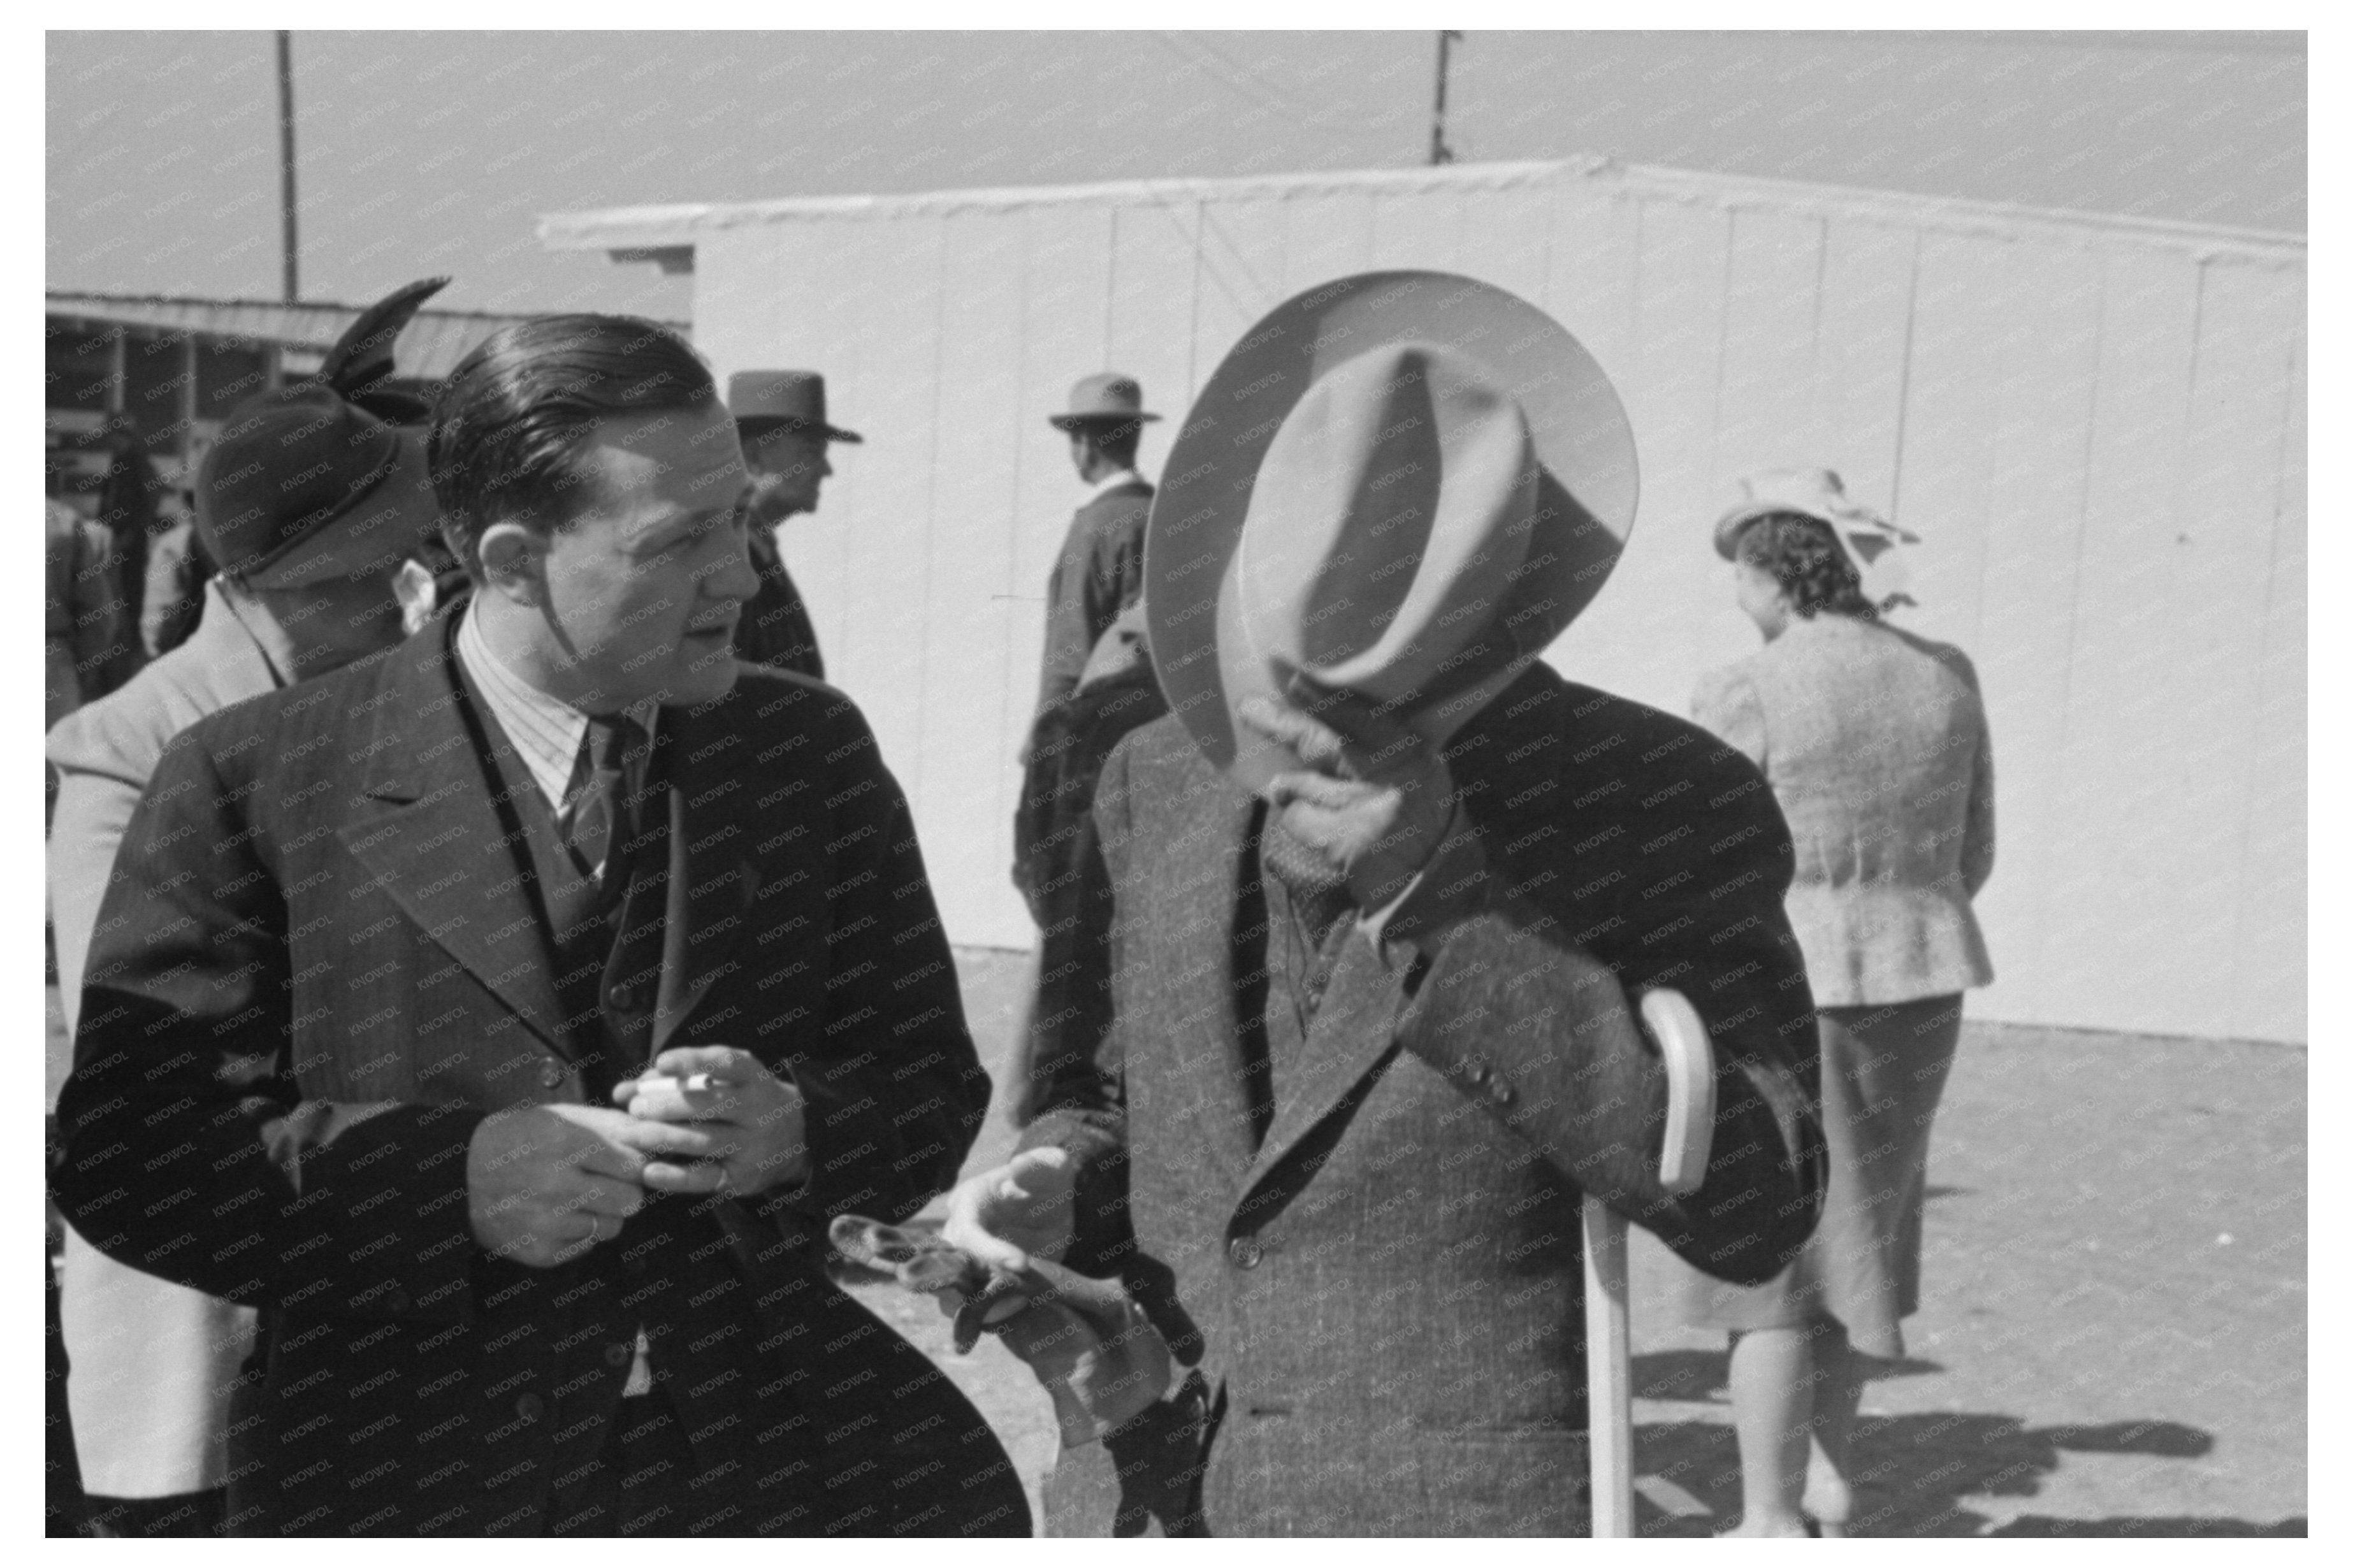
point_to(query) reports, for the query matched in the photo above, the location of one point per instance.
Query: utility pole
(1440, 153)
(291, 282)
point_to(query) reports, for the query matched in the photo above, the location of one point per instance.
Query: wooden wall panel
(2109, 957)
(1506, 239)
(1639, 637)
(2268, 959)
(1324, 237)
(1965, 333)
(2234, 513)
(1589, 283)
(1149, 321)
(964, 579)
(882, 358)
(1419, 229)
(2025, 625)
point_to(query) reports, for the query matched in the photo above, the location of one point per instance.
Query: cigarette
(690, 1084)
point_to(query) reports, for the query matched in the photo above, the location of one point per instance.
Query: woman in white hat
(1874, 743)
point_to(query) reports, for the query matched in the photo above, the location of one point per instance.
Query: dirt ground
(2112, 1340)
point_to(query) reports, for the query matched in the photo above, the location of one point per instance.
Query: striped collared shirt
(545, 732)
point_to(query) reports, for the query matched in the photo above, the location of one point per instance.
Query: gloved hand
(1097, 1356)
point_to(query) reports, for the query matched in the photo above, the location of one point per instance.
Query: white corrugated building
(2097, 424)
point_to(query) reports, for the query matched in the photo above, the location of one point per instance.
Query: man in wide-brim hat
(780, 418)
(1099, 571)
(1383, 884)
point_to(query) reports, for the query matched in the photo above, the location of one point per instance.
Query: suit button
(529, 1406)
(1500, 1092)
(395, 1300)
(1245, 1252)
(617, 1356)
(1476, 1069)
(551, 1075)
(622, 998)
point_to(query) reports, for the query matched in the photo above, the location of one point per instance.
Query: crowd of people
(501, 965)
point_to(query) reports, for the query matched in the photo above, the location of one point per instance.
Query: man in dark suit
(1382, 886)
(780, 415)
(1099, 571)
(511, 1008)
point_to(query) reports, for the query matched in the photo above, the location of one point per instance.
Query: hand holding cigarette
(747, 1122)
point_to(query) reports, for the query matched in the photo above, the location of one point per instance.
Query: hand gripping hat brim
(1584, 483)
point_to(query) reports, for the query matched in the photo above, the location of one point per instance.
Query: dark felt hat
(781, 400)
(291, 462)
(288, 465)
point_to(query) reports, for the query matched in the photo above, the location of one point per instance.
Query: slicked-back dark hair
(1803, 554)
(512, 419)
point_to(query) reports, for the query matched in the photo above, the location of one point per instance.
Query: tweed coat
(1380, 1292)
(1874, 742)
(152, 1361)
(322, 962)
(1098, 573)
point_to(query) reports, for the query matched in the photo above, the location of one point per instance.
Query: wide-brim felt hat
(1105, 398)
(1425, 520)
(765, 400)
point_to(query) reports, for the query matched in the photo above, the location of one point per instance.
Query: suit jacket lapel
(714, 878)
(1202, 863)
(1351, 1031)
(432, 831)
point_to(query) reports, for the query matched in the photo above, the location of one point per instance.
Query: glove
(1097, 1355)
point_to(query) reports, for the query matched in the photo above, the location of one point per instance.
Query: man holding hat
(780, 417)
(1384, 887)
(1099, 571)
(310, 503)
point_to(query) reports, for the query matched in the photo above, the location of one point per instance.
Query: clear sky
(422, 151)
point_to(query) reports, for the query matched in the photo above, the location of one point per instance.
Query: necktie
(599, 800)
(1319, 896)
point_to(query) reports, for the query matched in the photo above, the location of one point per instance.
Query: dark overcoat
(775, 629)
(1381, 1291)
(323, 961)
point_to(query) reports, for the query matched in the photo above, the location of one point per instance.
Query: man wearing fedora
(1384, 887)
(310, 502)
(1099, 571)
(469, 1013)
(780, 417)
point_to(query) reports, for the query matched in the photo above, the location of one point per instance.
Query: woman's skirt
(1883, 1072)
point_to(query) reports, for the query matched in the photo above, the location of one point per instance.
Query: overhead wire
(1250, 84)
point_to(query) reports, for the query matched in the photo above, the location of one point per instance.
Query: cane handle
(1674, 1025)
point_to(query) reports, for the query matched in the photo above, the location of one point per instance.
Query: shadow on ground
(1701, 1374)
(1915, 1472)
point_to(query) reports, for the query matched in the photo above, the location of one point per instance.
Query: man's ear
(514, 561)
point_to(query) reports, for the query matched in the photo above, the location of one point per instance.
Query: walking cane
(1682, 1040)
